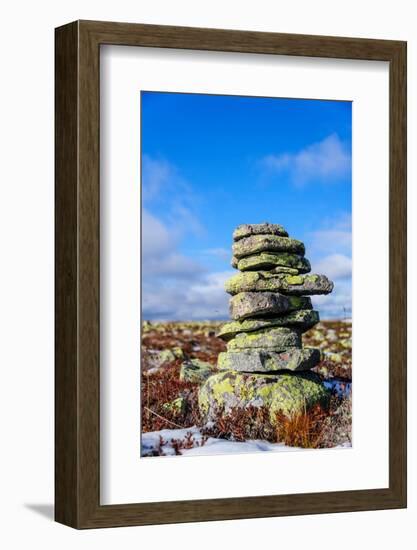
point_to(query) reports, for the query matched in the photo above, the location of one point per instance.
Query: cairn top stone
(246, 230)
(247, 246)
(293, 359)
(260, 281)
(271, 260)
(261, 304)
(303, 319)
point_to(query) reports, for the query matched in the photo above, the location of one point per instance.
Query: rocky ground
(177, 357)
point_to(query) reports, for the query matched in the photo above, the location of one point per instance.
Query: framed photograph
(230, 274)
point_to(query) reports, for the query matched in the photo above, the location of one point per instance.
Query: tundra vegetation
(178, 357)
(268, 375)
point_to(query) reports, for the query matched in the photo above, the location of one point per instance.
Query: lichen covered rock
(255, 360)
(195, 370)
(261, 281)
(260, 304)
(269, 260)
(265, 363)
(266, 243)
(246, 230)
(303, 319)
(270, 338)
(159, 358)
(286, 393)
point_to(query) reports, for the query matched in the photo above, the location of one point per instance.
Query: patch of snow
(345, 445)
(151, 444)
(215, 446)
(151, 441)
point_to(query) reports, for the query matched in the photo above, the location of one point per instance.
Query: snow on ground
(213, 446)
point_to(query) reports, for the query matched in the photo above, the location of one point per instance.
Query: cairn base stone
(269, 361)
(285, 393)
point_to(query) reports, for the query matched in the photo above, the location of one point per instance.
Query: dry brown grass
(317, 428)
(163, 387)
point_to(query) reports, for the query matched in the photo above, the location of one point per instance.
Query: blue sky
(210, 163)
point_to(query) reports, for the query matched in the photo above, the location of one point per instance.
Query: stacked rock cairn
(265, 363)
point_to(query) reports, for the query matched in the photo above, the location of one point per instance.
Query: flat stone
(260, 304)
(303, 319)
(195, 370)
(260, 281)
(286, 270)
(267, 260)
(286, 393)
(269, 361)
(270, 338)
(246, 230)
(266, 243)
(278, 269)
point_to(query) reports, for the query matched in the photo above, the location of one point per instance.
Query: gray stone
(286, 270)
(260, 304)
(269, 361)
(246, 230)
(297, 285)
(303, 319)
(159, 358)
(270, 338)
(195, 370)
(268, 261)
(286, 393)
(266, 243)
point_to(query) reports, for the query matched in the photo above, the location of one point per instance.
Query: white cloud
(207, 298)
(156, 174)
(156, 239)
(338, 304)
(182, 218)
(328, 161)
(204, 298)
(160, 257)
(164, 186)
(335, 266)
(330, 252)
(176, 286)
(334, 237)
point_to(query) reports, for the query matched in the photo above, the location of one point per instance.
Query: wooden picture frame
(77, 382)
